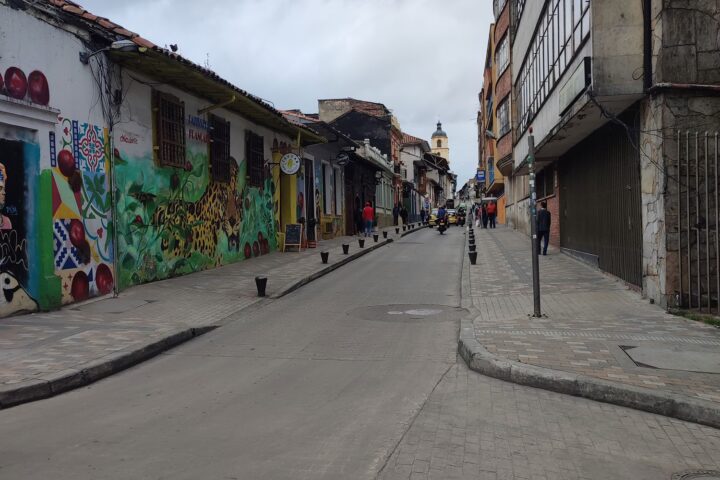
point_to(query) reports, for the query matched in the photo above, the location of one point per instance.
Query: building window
(439, 144)
(255, 152)
(563, 27)
(169, 115)
(519, 7)
(502, 56)
(498, 6)
(503, 116)
(545, 182)
(219, 149)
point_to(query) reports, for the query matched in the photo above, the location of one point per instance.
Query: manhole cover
(408, 313)
(699, 359)
(697, 475)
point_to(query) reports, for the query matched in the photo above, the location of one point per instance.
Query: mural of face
(5, 224)
(14, 298)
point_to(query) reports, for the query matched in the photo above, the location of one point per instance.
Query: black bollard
(384, 234)
(472, 241)
(261, 283)
(473, 257)
(324, 256)
(397, 230)
(376, 237)
(404, 228)
(471, 247)
(346, 248)
(361, 242)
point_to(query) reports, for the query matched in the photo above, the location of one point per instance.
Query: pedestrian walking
(423, 214)
(396, 213)
(492, 214)
(358, 215)
(544, 220)
(404, 215)
(484, 215)
(478, 215)
(368, 216)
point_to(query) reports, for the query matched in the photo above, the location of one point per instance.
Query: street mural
(14, 265)
(174, 221)
(82, 236)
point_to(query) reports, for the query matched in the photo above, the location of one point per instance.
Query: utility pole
(533, 226)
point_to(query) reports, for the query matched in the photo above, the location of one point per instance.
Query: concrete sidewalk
(597, 339)
(43, 354)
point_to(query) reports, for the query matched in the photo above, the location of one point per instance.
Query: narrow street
(355, 378)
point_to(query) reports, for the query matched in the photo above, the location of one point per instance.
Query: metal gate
(600, 203)
(697, 220)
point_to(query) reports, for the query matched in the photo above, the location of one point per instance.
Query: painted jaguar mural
(174, 221)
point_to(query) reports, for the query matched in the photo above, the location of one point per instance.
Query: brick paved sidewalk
(40, 348)
(592, 320)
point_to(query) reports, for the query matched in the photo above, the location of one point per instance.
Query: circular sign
(290, 164)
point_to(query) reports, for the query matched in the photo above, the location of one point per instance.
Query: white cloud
(421, 58)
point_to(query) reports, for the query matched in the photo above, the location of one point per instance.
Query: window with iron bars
(563, 27)
(169, 123)
(220, 149)
(255, 154)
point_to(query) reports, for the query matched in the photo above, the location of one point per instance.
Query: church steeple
(439, 143)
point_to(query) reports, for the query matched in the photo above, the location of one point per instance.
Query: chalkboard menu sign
(293, 235)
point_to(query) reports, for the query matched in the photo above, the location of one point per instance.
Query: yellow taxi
(432, 221)
(452, 216)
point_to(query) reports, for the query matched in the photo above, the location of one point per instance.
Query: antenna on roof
(207, 61)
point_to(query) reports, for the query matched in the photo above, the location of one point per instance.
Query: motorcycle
(442, 226)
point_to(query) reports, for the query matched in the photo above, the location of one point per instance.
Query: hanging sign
(290, 164)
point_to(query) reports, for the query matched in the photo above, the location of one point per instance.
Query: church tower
(439, 143)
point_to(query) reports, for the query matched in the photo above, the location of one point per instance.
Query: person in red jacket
(368, 216)
(492, 213)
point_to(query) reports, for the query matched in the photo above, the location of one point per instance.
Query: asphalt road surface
(353, 376)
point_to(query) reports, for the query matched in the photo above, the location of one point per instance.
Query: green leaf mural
(176, 221)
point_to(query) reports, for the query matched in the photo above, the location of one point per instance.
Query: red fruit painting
(80, 288)
(38, 88)
(15, 83)
(256, 249)
(75, 181)
(77, 233)
(265, 247)
(66, 162)
(2, 83)
(103, 279)
(260, 237)
(247, 250)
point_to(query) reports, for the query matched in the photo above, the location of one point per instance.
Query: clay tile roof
(408, 139)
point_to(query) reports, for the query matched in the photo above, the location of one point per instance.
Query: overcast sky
(421, 58)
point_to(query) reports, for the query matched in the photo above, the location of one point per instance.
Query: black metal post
(533, 227)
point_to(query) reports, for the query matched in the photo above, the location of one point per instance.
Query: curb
(480, 360)
(330, 268)
(56, 383)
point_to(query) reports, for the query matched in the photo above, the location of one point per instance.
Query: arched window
(439, 144)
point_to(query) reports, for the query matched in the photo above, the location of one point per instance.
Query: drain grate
(697, 475)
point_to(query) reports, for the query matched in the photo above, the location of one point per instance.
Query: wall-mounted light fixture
(118, 46)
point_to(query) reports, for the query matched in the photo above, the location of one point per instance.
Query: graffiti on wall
(14, 265)
(173, 221)
(82, 240)
(20, 87)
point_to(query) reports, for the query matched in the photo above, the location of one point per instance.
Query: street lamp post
(533, 227)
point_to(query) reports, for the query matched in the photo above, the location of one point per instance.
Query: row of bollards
(261, 282)
(471, 246)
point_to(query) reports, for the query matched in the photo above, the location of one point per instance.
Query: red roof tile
(408, 139)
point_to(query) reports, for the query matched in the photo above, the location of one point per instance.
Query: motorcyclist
(442, 219)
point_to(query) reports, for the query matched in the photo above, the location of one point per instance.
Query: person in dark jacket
(396, 213)
(543, 227)
(484, 215)
(404, 215)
